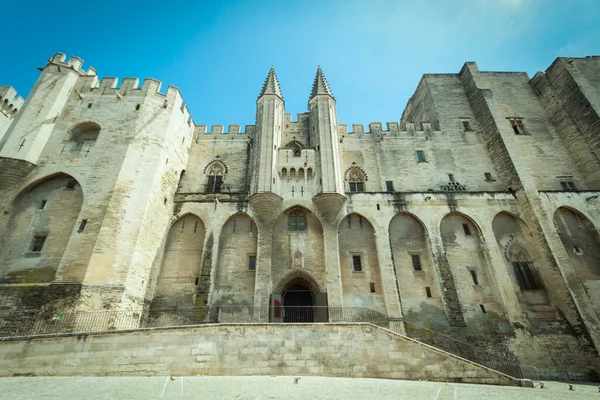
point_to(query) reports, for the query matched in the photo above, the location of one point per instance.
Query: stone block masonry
(344, 350)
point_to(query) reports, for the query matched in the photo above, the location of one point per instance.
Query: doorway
(298, 303)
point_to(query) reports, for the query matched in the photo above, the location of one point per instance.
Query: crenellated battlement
(74, 63)
(218, 133)
(10, 102)
(89, 86)
(394, 129)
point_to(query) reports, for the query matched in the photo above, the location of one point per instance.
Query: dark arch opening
(298, 301)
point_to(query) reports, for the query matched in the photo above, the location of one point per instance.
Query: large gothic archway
(236, 270)
(44, 220)
(180, 266)
(359, 264)
(581, 241)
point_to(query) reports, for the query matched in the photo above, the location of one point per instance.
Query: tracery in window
(215, 178)
(356, 180)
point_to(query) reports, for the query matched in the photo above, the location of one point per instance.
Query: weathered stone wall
(357, 238)
(326, 350)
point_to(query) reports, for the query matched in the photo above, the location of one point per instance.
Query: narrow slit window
(356, 263)
(451, 177)
(372, 287)
(474, 277)
(428, 291)
(416, 261)
(483, 310)
(38, 243)
(42, 204)
(82, 225)
(252, 263)
(466, 229)
(421, 156)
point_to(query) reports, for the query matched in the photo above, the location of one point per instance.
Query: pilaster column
(501, 277)
(450, 298)
(388, 275)
(333, 274)
(262, 284)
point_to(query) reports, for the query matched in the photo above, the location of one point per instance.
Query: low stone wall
(345, 350)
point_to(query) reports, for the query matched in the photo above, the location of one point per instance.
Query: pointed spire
(320, 85)
(271, 85)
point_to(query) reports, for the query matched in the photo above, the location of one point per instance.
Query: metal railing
(499, 359)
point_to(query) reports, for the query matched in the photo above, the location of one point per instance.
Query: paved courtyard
(265, 387)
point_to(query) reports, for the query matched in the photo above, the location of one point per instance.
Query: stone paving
(271, 387)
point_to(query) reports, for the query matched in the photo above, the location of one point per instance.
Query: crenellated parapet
(89, 87)
(10, 102)
(375, 130)
(218, 132)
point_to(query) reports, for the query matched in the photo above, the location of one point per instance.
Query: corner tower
(269, 130)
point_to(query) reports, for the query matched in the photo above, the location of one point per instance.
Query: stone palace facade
(477, 214)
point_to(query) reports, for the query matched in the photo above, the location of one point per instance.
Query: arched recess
(236, 269)
(517, 247)
(465, 252)
(297, 244)
(415, 271)
(84, 135)
(582, 243)
(178, 276)
(359, 263)
(43, 219)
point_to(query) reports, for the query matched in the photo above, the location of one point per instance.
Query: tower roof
(320, 85)
(271, 85)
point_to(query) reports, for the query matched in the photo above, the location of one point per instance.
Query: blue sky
(218, 53)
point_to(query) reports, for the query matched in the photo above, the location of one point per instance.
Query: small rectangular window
(89, 105)
(568, 185)
(196, 282)
(38, 243)
(82, 225)
(428, 291)
(42, 204)
(71, 184)
(420, 156)
(137, 107)
(483, 310)
(518, 126)
(389, 185)
(372, 287)
(488, 176)
(467, 126)
(451, 177)
(474, 277)
(466, 229)
(252, 263)
(416, 262)
(79, 145)
(356, 263)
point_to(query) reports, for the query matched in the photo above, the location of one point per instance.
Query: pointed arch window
(215, 178)
(527, 276)
(297, 220)
(356, 180)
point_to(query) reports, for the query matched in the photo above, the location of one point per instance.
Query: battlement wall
(218, 132)
(394, 129)
(10, 102)
(88, 84)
